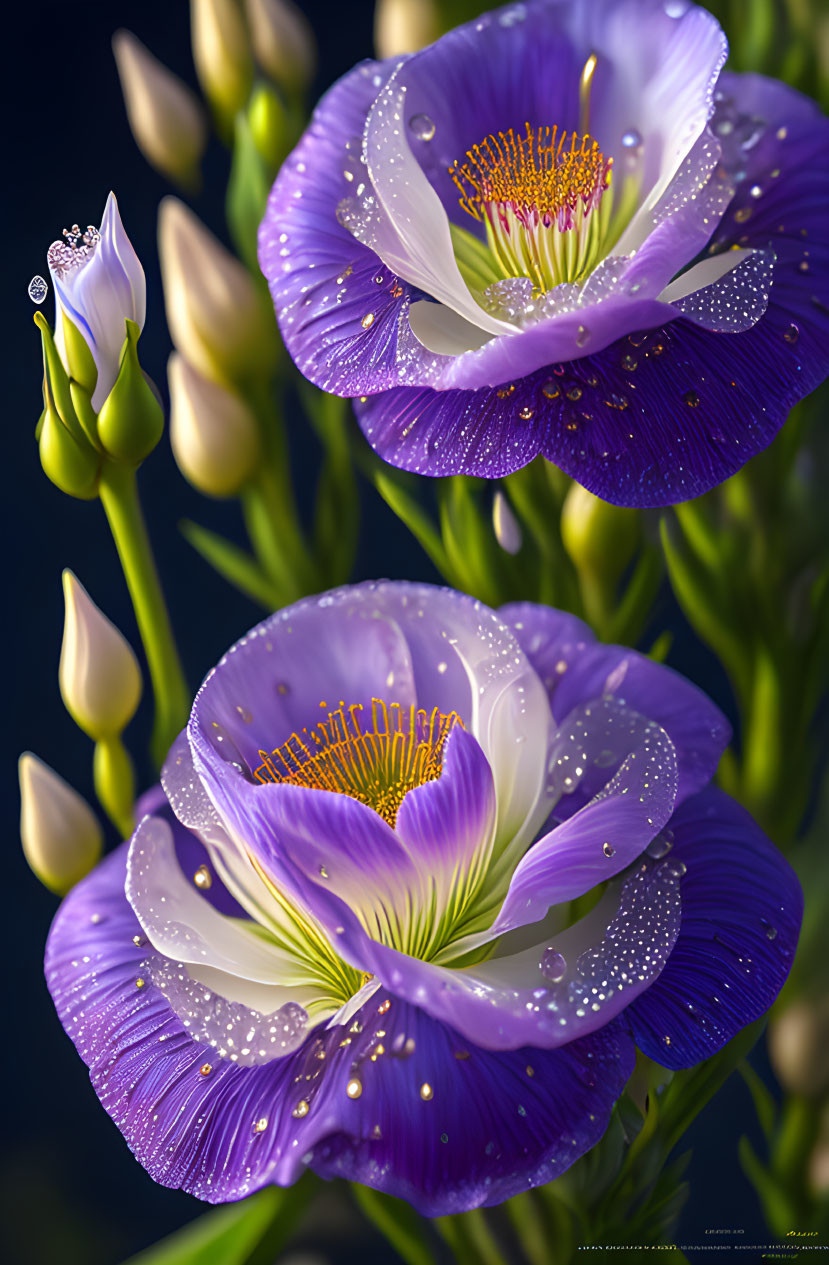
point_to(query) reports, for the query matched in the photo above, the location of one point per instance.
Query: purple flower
(342, 937)
(562, 229)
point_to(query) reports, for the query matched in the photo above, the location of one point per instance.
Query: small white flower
(99, 282)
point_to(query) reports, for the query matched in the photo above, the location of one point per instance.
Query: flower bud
(131, 420)
(283, 42)
(165, 116)
(799, 1047)
(222, 54)
(213, 432)
(99, 283)
(404, 26)
(100, 680)
(600, 538)
(505, 525)
(268, 125)
(60, 834)
(217, 317)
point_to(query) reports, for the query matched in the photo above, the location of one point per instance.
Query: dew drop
(260, 1125)
(632, 141)
(756, 191)
(354, 1088)
(660, 847)
(37, 290)
(791, 334)
(553, 964)
(301, 1109)
(426, 1092)
(582, 335)
(550, 390)
(629, 363)
(368, 320)
(422, 127)
(605, 758)
(608, 849)
(743, 214)
(526, 413)
(203, 878)
(574, 393)
(691, 399)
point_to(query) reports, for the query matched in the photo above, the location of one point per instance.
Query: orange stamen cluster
(402, 749)
(544, 175)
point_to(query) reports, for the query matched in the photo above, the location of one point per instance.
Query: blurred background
(69, 1188)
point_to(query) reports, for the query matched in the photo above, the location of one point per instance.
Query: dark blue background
(70, 1190)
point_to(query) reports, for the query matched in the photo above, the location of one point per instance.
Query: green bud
(79, 359)
(71, 465)
(600, 538)
(131, 420)
(268, 125)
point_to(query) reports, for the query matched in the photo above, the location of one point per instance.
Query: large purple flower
(561, 229)
(343, 936)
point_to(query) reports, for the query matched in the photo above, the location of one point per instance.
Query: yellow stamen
(402, 749)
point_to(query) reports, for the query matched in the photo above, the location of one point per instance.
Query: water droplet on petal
(553, 964)
(691, 399)
(791, 334)
(608, 849)
(660, 847)
(422, 127)
(38, 289)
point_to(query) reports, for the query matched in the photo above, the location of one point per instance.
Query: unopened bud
(505, 525)
(283, 42)
(217, 317)
(165, 116)
(100, 680)
(214, 434)
(268, 125)
(222, 53)
(799, 1047)
(404, 26)
(131, 420)
(600, 538)
(60, 833)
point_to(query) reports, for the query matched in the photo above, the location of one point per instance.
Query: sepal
(131, 421)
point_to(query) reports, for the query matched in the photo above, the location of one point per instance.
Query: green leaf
(398, 1223)
(231, 1234)
(413, 515)
(233, 563)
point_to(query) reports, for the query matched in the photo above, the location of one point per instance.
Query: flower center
(541, 199)
(377, 764)
(76, 248)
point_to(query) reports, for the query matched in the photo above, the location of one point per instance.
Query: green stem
(119, 497)
(115, 783)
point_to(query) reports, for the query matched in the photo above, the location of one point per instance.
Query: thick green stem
(119, 497)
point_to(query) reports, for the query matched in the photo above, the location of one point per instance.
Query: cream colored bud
(404, 26)
(218, 318)
(222, 53)
(166, 118)
(60, 833)
(100, 680)
(505, 525)
(214, 434)
(283, 42)
(799, 1047)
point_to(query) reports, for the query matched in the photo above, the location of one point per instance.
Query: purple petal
(614, 827)
(448, 825)
(220, 1130)
(609, 957)
(741, 913)
(574, 667)
(338, 306)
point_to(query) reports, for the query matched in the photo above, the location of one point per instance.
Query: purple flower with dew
(562, 229)
(342, 936)
(99, 284)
